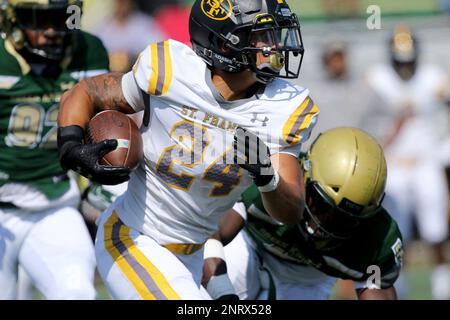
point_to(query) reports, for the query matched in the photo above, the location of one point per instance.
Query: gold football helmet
(345, 173)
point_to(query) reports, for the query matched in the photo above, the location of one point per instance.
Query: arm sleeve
(387, 280)
(295, 150)
(132, 93)
(153, 70)
(298, 126)
(389, 264)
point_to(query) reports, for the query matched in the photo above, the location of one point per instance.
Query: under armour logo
(257, 118)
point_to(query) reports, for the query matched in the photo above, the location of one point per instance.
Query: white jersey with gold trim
(185, 183)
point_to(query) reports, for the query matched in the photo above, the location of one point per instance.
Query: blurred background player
(40, 228)
(345, 232)
(126, 33)
(343, 95)
(407, 113)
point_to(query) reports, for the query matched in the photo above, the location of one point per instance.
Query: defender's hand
(84, 158)
(253, 155)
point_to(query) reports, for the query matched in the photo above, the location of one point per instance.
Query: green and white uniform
(28, 114)
(371, 257)
(39, 224)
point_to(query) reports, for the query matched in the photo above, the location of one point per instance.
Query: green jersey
(377, 243)
(28, 113)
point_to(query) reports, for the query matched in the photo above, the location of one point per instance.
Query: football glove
(253, 155)
(84, 158)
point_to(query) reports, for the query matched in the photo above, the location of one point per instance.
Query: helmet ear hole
(335, 189)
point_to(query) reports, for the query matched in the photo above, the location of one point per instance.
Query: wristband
(272, 185)
(70, 133)
(213, 249)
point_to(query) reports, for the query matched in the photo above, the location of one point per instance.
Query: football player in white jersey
(200, 104)
(410, 93)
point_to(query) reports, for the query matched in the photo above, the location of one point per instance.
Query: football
(111, 124)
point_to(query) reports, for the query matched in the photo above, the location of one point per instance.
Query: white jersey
(184, 184)
(420, 94)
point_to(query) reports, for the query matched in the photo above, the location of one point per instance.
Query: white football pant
(53, 247)
(258, 275)
(134, 266)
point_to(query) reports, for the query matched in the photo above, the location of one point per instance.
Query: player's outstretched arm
(215, 278)
(377, 294)
(77, 107)
(278, 177)
(287, 202)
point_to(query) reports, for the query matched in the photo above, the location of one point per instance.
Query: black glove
(253, 155)
(84, 158)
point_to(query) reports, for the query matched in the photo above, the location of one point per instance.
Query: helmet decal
(217, 9)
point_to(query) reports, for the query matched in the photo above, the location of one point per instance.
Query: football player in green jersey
(40, 228)
(345, 232)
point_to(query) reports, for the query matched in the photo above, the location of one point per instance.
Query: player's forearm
(377, 294)
(91, 96)
(285, 204)
(229, 226)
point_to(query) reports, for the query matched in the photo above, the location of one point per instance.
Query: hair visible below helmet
(17, 16)
(403, 50)
(223, 34)
(345, 172)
